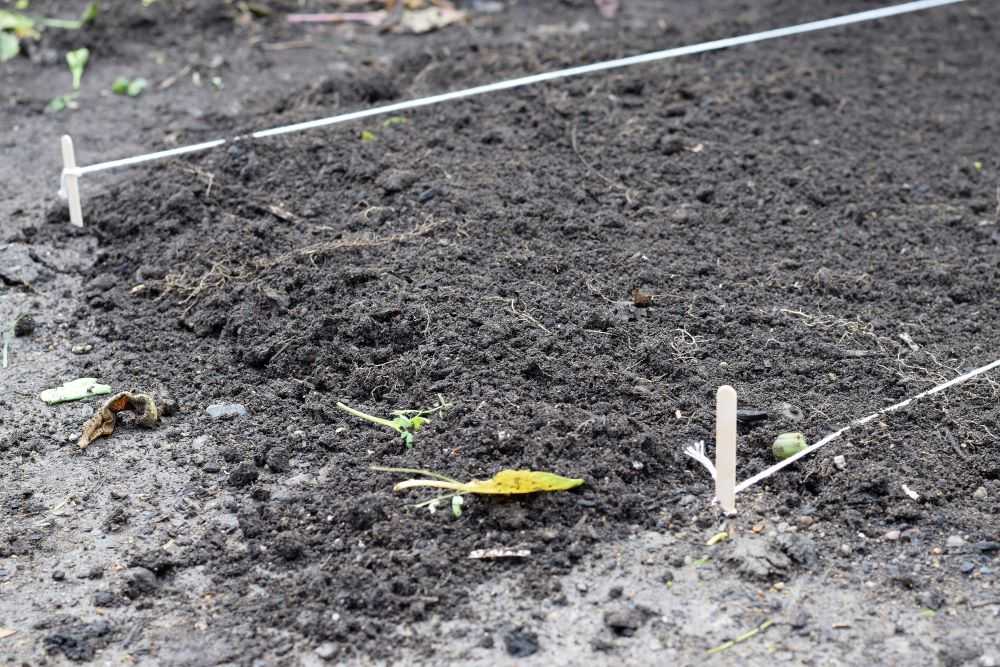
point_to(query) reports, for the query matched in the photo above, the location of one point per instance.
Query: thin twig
(750, 634)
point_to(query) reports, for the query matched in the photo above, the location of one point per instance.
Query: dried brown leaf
(104, 420)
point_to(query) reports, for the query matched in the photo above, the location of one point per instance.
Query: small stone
(104, 599)
(682, 215)
(623, 622)
(138, 582)
(397, 180)
(806, 521)
(58, 575)
(840, 461)
(243, 475)
(967, 567)
(520, 643)
(277, 459)
(24, 325)
(980, 493)
(671, 145)
(931, 599)
(326, 650)
(226, 411)
(615, 592)
(846, 549)
(954, 542)
(82, 348)
(893, 535)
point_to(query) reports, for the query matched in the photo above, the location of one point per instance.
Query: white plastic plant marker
(725, 448)
(70, 189)
(72, 172)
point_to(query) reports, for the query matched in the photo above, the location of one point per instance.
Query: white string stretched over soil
(715, 45)
(742, 486)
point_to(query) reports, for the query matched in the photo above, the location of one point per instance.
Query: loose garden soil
(817, 221)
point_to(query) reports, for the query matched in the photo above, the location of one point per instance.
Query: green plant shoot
(403, 424)
(77, 61)
(132, 88)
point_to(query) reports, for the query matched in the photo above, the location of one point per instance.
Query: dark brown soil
(794, 209)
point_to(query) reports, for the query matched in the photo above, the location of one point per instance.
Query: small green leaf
(715, 539)
(9, 46)
(120, 86)
(367, 135)
(392, 121)
(456, 506)
(77, 61)
(136, 86)
(90, 13)
(61, 103)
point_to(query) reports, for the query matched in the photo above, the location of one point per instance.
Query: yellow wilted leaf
(508, 482)
(505, 482)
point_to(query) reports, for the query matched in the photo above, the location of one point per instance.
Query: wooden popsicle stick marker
(71, 182)
(725, 448)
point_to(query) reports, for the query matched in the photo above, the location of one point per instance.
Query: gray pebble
(226, 410)
(954, 542)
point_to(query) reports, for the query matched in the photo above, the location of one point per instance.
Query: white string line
(864, 420)
(715, 45)
(159, 155)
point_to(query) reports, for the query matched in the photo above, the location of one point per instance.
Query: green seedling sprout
(132, 88)
(431, 502)
(404, 422)
(77, 61)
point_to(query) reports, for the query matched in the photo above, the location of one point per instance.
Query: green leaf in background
(90, 13)
(9, 46)
(62, 103)
(23, 26)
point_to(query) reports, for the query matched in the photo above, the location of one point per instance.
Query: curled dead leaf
(104, 420)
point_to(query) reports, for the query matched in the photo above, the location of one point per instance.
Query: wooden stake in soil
(725, 448)
(71, 182)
